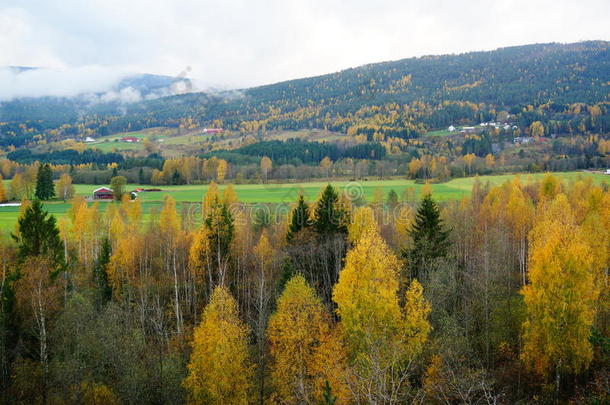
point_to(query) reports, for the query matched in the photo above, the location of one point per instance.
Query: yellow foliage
(561, 295)
(366, 294)
(209, 198)
(3, 193)
(403, 221)
(97, 394)
(363, 219)
(221, 170)
(305, 351)
(490, 161)
(229, 195)
(549, 188)
(426, 190)
(220, 369)
(416, 324)
(263, 250)
(169, 221)
(199, 252)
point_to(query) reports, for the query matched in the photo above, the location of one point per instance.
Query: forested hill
(400, 98)
(528, 74)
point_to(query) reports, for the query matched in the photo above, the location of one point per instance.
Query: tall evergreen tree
(45, 189)
(330, 216)
(100, 274)
(392, 199)
(430, 239)
(300, 218)
(38, 235)
(221, 231)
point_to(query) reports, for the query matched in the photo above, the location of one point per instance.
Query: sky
(87, 45)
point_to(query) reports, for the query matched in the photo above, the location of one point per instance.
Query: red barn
(129, 139)
(103, 193)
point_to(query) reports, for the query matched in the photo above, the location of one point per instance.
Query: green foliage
(299, 218)
(327, 395)
(100, 274)
(392, 199)
(437, 91)
(330, 216)
(45, 189)
(430, 239)
(117, 184)
(221, 231)
(38, 235)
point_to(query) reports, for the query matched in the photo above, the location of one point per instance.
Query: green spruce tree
(100, 275)
(430, 239)
(221, 231)
(38, 235)
(45, 189)
(300, 218)
(392, 199)
(330, 217)
(327, 395)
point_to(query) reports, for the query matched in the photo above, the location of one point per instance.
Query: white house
(89, 139)
(451, 128)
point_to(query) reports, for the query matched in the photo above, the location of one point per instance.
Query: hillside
(404, 98)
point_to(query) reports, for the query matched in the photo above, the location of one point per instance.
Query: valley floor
(286, 193)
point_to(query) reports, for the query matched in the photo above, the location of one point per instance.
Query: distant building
(129, 139)
(212, 130)
(607, 171)
(451, 128)
(89, 139)
(103, 193)
(523, 139)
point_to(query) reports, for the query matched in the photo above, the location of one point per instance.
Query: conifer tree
(430, 239)
(45, 189)
(38, 235)
(392, 199)
(299, 218)
(221, 231)
(330, 217)
(100, 274)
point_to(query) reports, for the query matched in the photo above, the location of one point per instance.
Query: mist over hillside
(505, 79)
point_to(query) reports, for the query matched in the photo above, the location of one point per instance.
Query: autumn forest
(501, 297)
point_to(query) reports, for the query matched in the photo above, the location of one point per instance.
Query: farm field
(287, 193)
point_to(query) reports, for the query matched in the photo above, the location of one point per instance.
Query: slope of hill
(402, 98)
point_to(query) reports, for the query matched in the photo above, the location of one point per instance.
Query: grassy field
(441, 132)
(288, 192)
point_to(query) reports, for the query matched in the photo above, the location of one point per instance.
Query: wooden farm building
(102, 193)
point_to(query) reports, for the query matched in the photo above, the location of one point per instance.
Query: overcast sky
(240, 43)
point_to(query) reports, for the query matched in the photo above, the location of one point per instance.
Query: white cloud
(58, 82)
(239, 43)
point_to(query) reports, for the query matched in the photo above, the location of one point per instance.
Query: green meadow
(287, 192)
